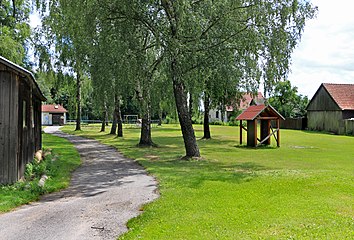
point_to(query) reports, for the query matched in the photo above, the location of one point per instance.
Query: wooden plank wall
(8, 126)
(329, 121)
(322, 101)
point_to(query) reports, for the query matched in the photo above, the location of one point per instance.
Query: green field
(59, 173)
(302, 190)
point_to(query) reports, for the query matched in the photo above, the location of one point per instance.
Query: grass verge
(57, 166)
(302, 190)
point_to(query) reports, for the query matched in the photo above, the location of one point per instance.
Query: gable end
(322, 101)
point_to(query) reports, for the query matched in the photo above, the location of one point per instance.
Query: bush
(170, 120)
(197, 119)
(220, 123)
(233, 121)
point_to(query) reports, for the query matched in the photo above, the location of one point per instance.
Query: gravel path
(105, 192)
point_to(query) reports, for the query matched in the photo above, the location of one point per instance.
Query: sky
(326, 51)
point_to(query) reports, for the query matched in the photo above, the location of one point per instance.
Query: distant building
(330, 106)
(53, 115)
(247, 100)
(20, 120)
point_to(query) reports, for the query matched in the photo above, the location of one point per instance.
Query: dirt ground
(105, 192)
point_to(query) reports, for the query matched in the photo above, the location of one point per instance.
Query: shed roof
(53, 108)
(342, 94)
(24, 73)
(253, 112)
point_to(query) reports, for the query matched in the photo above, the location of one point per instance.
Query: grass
(302, 190)
(59, 172)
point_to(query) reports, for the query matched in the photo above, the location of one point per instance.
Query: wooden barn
(20, 120)
(331, 105)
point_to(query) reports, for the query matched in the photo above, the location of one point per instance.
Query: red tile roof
(246, 101)
(53, 108)
(342, 94)
(252, 112)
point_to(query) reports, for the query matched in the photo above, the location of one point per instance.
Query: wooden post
(255, 132)
(240, 132)
(278, 132)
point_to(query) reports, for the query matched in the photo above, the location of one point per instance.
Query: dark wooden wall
(20, 124)
(8, 126)
(322, 101)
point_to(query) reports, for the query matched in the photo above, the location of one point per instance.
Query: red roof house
(331, 104)
(246, 100)
(53, 114)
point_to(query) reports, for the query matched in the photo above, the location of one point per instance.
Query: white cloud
(326, 51)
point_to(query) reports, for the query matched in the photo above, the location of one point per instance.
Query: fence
(126, 123)
(294, 123)
(349, 127)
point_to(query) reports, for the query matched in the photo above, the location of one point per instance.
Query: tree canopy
(196, 48)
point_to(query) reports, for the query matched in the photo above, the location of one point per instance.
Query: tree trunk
(107, 121)
(145, 133)
(190, 142)
(160, 117)
(119, 119)
(190, 104)
(78, 101)
(222, 112)
(103, 126)
(114, 122)
(206, 126)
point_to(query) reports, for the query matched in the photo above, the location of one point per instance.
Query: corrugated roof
(53, 108)
(342, 94)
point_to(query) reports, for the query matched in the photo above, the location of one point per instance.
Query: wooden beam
(267, 118)
(265, 139)
(255, 132)
(278, 132)
(240, 132)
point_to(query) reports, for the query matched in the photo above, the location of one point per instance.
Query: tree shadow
(103, 168)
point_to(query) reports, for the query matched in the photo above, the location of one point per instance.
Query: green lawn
(302, 190)
(59, 172)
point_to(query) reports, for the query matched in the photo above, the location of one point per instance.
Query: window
(217, 114)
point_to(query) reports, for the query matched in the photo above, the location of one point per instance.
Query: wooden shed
(20, 120)
(330, 106)
(265, 114)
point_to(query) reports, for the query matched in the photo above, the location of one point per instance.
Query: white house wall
(213, 115)
(47, 119)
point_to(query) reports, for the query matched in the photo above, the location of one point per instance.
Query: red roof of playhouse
(342, 94)
(252, 112)
(53, 108)
(246, 100)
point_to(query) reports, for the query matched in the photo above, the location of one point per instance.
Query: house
(53, 115)
(20, 120)
(246, 100)
(330, 106)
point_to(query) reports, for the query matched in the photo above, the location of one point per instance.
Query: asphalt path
(105, 192)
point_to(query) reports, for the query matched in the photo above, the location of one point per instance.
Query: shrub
(220, 123)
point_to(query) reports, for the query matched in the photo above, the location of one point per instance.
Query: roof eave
(24, 72)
